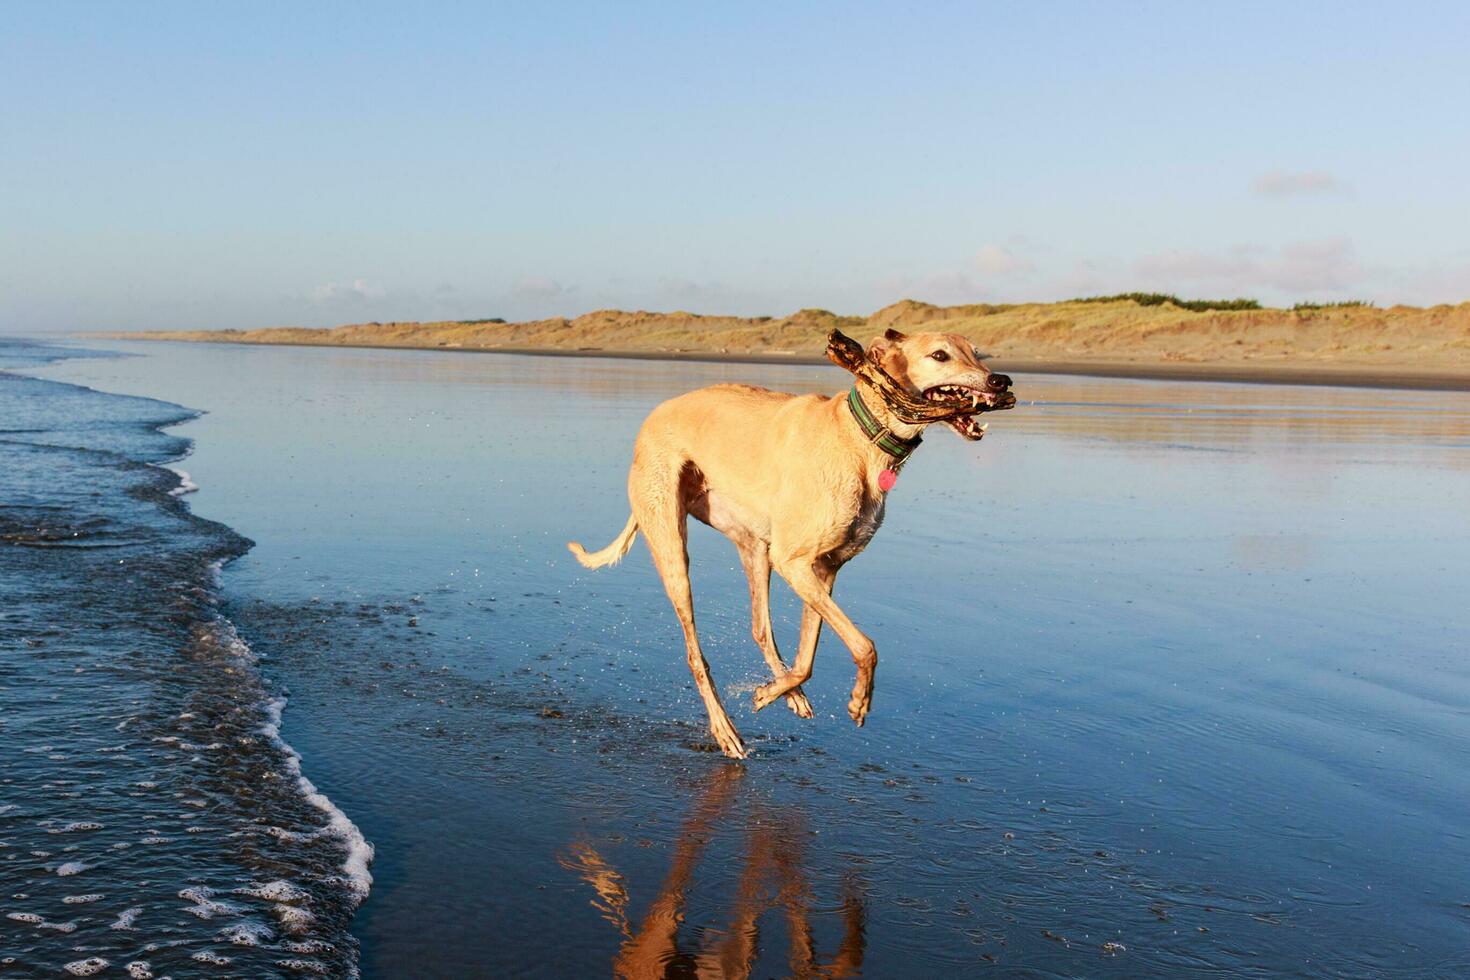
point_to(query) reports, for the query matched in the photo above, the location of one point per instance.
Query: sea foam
(186, 485)
(358, 878)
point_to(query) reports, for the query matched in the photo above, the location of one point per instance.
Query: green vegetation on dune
(1159, 299)
(1347, 304)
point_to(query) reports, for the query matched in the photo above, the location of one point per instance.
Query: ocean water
(1172, 681)
(150, 818)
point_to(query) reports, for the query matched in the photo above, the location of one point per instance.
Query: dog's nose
(998, 382)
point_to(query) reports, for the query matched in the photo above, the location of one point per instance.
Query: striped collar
(896, 446)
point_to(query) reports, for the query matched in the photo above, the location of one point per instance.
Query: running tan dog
(798, 483)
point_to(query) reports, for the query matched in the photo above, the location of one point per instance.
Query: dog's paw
(762, 696)
(857, 709)
(799, 705)
(733, 747)
(766, 695)
(728, 739)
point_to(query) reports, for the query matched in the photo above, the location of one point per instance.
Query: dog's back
(730, 419)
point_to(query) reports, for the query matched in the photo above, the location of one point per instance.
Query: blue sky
(232, 165)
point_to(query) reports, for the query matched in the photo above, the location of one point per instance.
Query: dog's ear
(878, 349)
(881, 346)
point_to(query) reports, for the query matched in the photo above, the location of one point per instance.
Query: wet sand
(1171, 676)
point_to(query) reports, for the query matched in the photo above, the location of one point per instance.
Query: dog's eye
(940, 355)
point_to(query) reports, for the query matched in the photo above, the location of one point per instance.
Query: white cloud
(689, 292)
(997, 261)
(1444, 282)
(989, 267)
(951, 287)
(538, 289)
(1084, 277)
(1198, 266)
(1330, 265)
(942, 288)
(354, 291)
(1284, 183)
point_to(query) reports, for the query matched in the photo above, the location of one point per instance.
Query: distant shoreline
(1396, 376)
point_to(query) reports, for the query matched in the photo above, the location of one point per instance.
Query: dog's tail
(613, 553)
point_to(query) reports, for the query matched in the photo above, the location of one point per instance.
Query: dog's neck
(884, 423)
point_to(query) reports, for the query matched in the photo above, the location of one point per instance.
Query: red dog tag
(886, 480)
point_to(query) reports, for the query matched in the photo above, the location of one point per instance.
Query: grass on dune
(1347, 304)
(1160, 299)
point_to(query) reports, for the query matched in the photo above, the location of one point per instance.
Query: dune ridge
(1118, 336)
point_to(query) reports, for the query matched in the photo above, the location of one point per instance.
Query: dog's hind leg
(756, 557)
(658, 503)
(806, 646)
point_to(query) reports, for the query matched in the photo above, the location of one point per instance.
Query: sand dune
(1395, 345)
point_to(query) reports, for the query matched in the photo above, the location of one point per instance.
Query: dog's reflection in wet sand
(771, 878)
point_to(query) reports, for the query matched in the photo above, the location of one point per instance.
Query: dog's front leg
(808, 584)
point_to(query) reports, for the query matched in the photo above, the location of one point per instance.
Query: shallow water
(1172, 676)
(149, 820)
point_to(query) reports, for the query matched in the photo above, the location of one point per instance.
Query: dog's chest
(865, 524)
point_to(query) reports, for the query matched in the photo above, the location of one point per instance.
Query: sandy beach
(1395, 347)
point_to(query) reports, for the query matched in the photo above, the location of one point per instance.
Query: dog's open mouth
(978, 399)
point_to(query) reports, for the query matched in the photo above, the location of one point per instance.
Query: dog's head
(944, 370)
